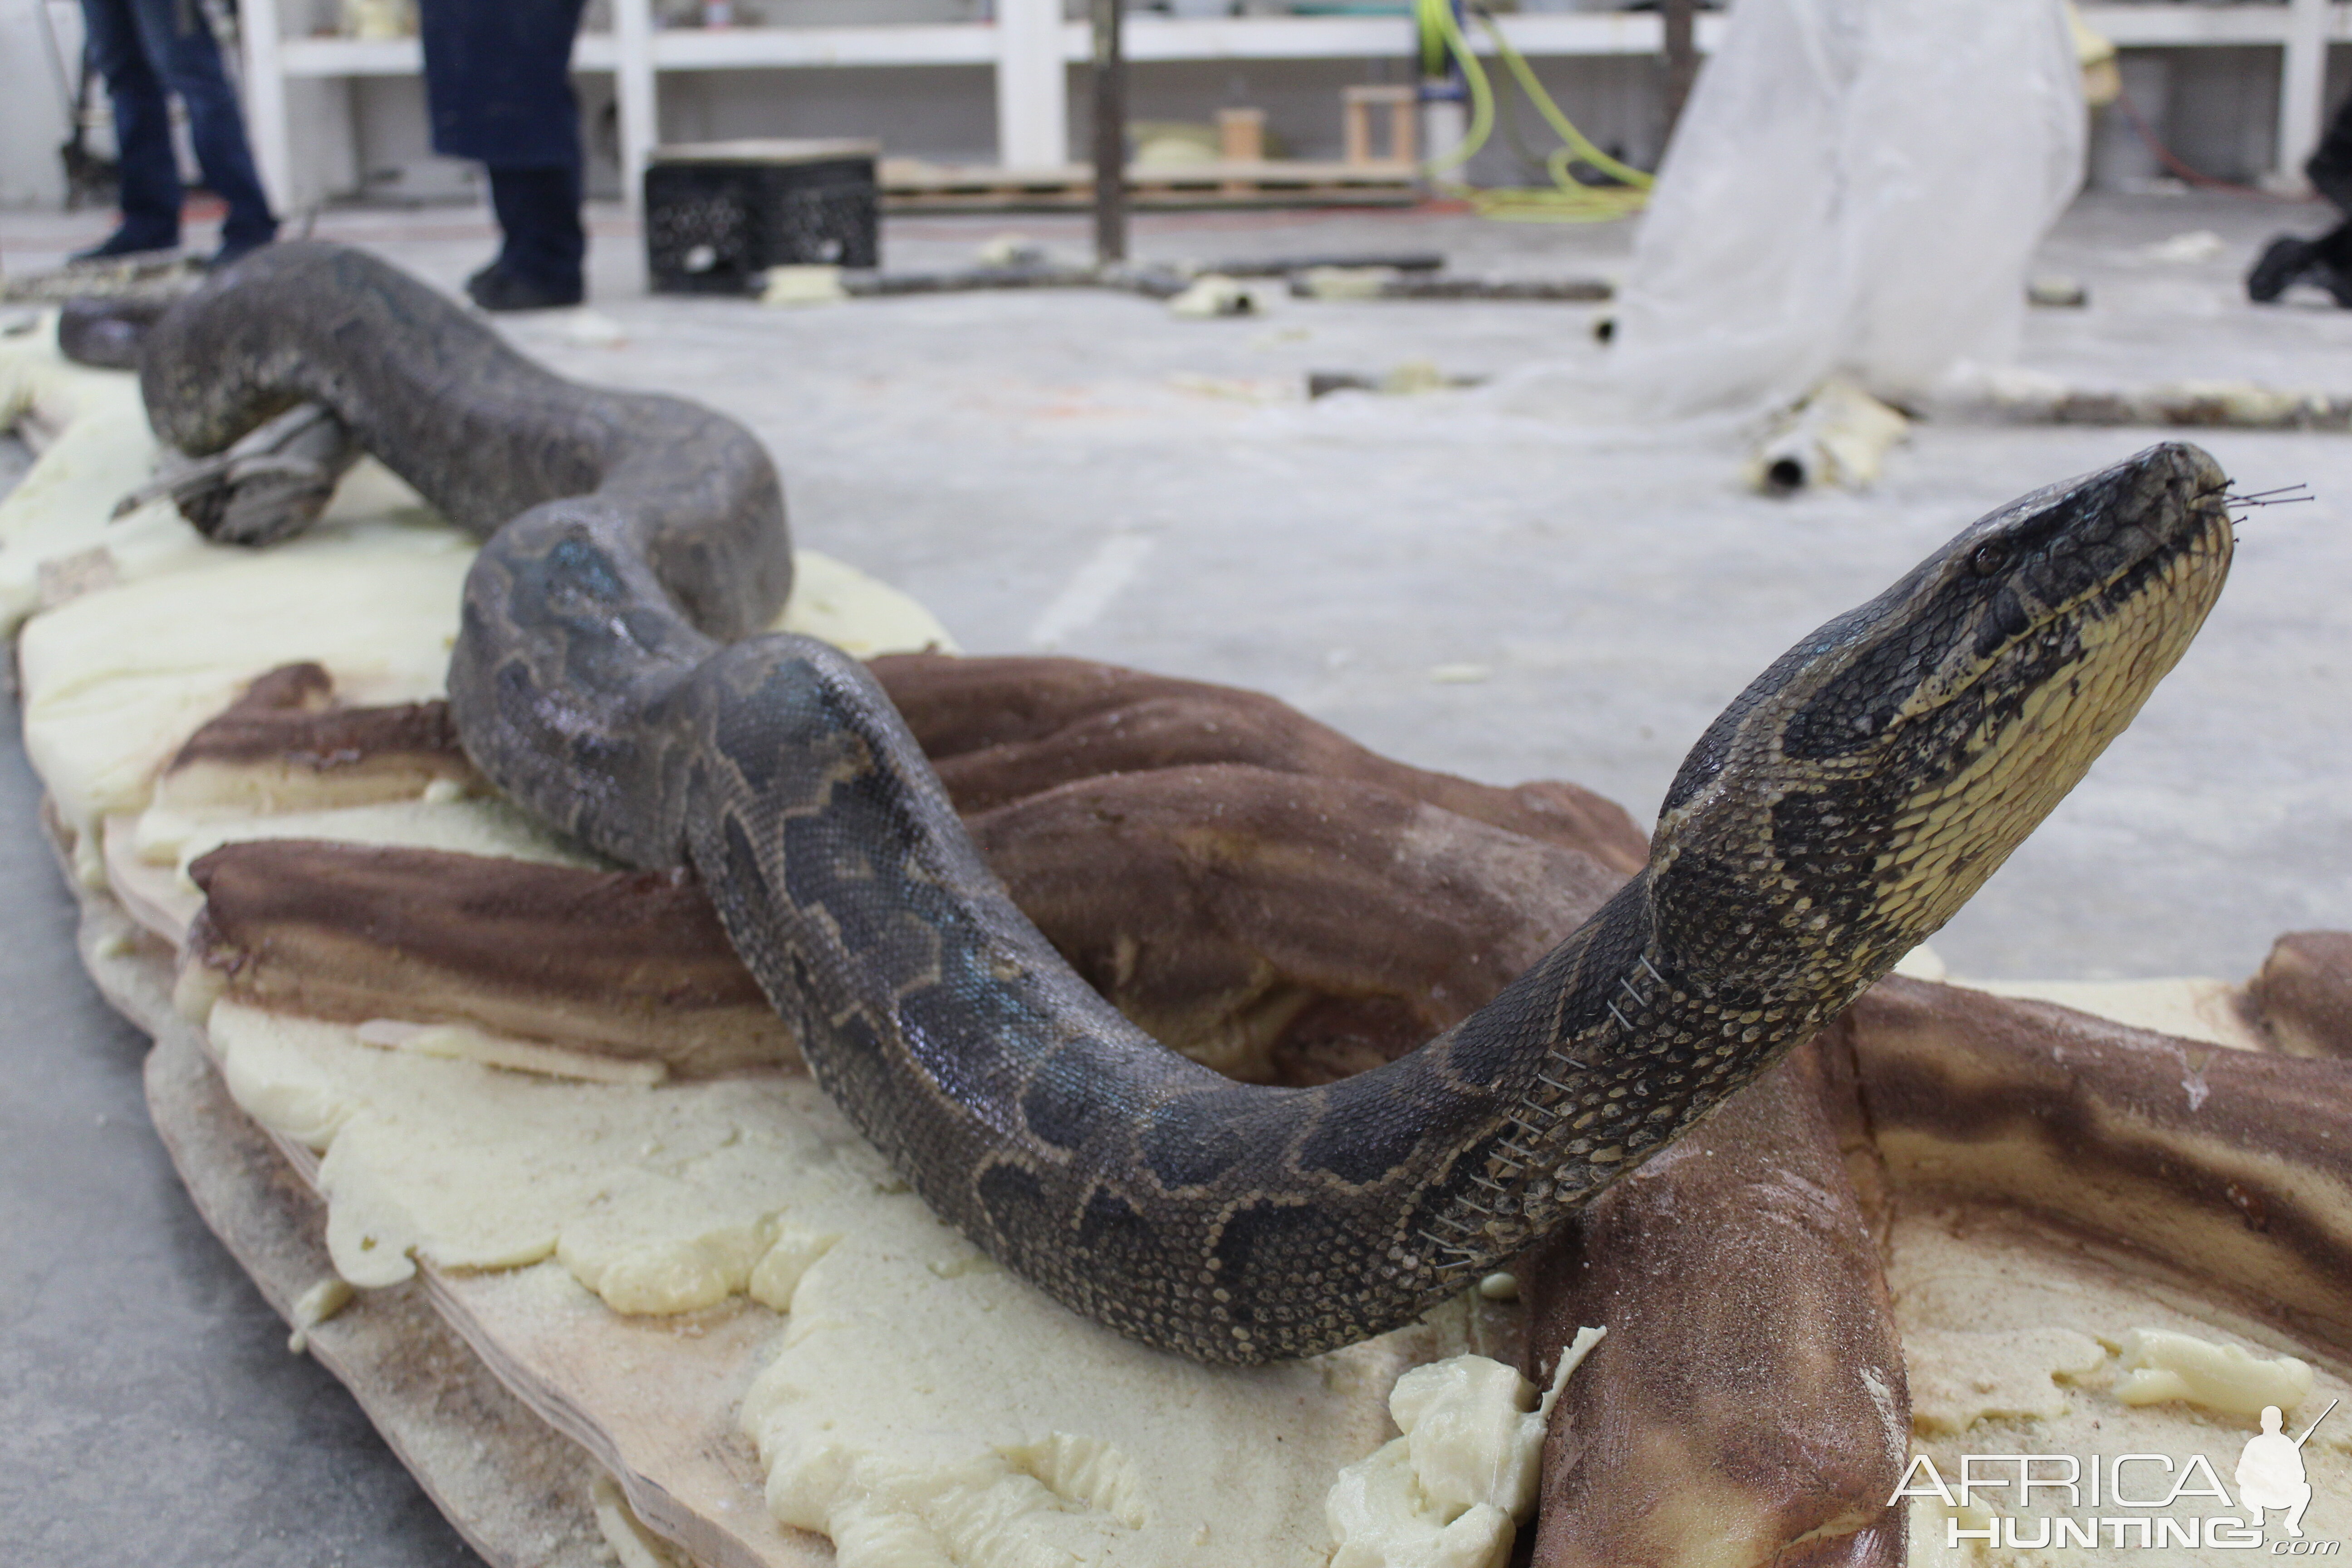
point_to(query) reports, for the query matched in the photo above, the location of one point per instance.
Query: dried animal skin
(1750, 1400)
(631, 963)
(2304, 993)
(1224, 910)
(287, 746)
(1000, 730)
(2230, 1165)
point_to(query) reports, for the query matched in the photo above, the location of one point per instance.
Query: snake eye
(1989, 558)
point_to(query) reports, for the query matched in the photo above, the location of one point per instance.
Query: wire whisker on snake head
(2283, 495)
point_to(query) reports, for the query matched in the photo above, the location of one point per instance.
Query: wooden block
(1357, 105)
(1241, 139)
(1241, 134)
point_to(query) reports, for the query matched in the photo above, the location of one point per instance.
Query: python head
(1866, 786)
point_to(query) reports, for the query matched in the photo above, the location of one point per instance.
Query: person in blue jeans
(143, 48)
(498, 86)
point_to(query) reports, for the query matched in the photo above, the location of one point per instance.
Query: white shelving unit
(1029, 44)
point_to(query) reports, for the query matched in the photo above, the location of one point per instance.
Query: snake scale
(609, 677)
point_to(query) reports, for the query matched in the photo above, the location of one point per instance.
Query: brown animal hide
(2304, 993)
(633, 963)
(1748, 1405)
(1000, 730)
(1283, 927)
(2233, 1166)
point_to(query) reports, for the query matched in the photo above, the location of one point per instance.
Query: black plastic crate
(719, 215)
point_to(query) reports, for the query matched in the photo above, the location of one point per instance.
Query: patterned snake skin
(1839, 811)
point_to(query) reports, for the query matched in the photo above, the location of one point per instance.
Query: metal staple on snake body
(605, 676)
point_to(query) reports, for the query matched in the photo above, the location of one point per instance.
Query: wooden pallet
(910, 186)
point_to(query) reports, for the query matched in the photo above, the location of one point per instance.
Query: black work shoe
(2284, 262)
(231, 252)
(122, 242)
(496, 289)
(2326, 276)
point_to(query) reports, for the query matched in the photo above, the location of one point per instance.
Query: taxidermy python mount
(609, 677)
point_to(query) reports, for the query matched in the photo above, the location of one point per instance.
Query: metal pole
(1032, 85)
(1681, 56)
(1110, 135)
(636, 95)
(2303, 92)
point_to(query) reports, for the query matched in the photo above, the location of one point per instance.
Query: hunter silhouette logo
(2270, 1472)
(2270, 1478)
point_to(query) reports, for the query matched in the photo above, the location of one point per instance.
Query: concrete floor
(1083, 472)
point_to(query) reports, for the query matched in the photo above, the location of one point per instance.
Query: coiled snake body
(1843, 807)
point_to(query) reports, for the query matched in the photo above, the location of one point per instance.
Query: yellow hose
(1568, 201)
(1440, 34)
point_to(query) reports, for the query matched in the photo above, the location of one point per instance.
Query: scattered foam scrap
(1451, 1491)
(2161, 1364)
